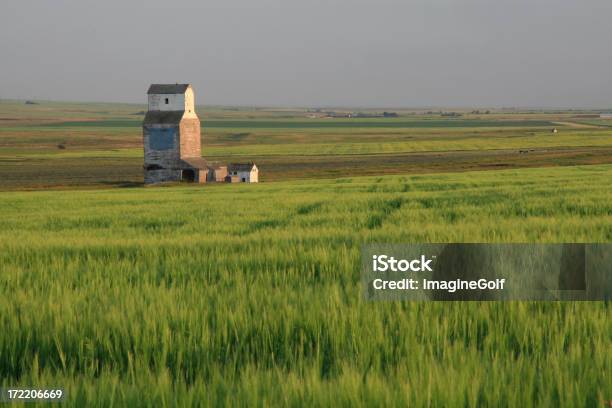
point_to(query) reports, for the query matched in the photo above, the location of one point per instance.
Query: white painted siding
(174, 102)
(244, 176)
(254, 176)
(167, 102)
(189, 103)
(247, 176)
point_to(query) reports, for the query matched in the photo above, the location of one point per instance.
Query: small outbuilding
(198, 170)
(242, 173)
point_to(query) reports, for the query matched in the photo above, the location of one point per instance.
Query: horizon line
(302, 107)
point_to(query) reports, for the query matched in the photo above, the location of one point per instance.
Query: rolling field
(63, 145)
(225, 295)
(249, 294)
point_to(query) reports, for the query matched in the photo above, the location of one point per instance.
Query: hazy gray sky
(409, 53)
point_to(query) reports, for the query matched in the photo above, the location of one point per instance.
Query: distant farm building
(605, 116)
(172, 144)
(242, 173)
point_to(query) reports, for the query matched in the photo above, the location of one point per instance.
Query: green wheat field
(250, 295)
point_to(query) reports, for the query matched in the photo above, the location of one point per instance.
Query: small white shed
(242, 173)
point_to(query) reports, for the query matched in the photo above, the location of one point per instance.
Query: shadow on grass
(123, 184)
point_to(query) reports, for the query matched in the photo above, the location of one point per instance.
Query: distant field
(411, 145)
(325, 123)
(597, 122)
(55, 144)
(234, 294)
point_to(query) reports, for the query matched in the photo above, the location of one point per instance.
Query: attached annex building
(172, 143)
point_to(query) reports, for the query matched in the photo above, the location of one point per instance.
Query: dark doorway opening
(153, 167)
(188, 175)
(244, 179)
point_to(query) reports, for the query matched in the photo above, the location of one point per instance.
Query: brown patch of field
(119, 172)
(279, 168)
(576, 125)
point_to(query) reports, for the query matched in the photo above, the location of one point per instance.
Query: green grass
(44, 144)
(249, 294)
(418, 144)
